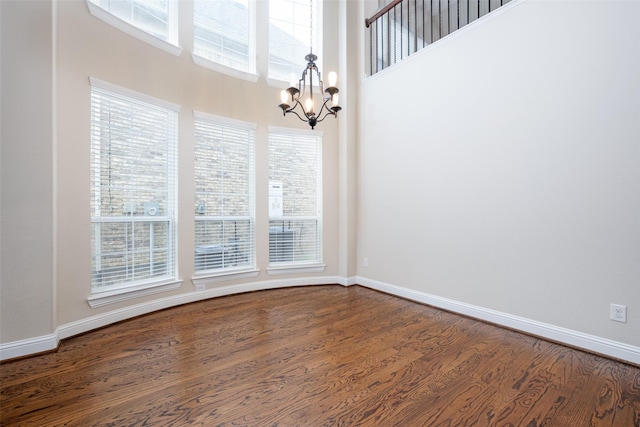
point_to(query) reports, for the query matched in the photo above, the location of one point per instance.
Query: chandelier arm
(290, 110)
(324, 107)
(328, 113)
(296, 105)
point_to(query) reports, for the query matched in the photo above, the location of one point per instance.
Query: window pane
(151, 16)
(223, 244)
(295, 226)
(221, 32)
(224, 197)
(290, 37)
(129, 252)
(294, 241)
(133, 156)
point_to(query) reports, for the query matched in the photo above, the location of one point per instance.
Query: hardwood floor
(315, 356)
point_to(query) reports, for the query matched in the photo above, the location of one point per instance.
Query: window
(223, 33)
(224, 194)
(289, 36)
(154, 21)
(295, 197)
(133, 189)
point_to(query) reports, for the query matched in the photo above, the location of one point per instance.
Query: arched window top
(153, 21)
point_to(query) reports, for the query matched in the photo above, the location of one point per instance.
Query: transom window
(290, 36)
(154, 21)
(223, 33)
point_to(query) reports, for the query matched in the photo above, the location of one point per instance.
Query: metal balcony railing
(403, 27)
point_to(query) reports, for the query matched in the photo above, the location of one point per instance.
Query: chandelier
(298, 97)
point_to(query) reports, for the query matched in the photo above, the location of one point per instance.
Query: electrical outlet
(365, 262)
(619, 313)
(200, 287)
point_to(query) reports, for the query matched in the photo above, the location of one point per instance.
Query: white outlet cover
(618, 313)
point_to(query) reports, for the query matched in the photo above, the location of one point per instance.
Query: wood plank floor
(315, 356)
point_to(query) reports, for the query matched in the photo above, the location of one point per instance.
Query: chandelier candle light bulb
(333, 78)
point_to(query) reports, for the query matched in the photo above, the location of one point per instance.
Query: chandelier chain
(311, 25)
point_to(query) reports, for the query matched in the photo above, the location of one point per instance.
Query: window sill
(204, 62)
(112, 297)
(132, 30)
(277, 83)
(202, 280)
(294, 269)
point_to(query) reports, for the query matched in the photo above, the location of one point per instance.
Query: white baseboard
(613, 349)
(588, 342)
(348, 281)
(50, 342)
(29, 346)
(94, 322)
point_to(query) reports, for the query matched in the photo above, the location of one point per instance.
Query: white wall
(500, 168)
(27, 171)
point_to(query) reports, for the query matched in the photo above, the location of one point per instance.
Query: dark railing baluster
(395, 32)
(439, 19)
(390, 52)
(424, 28)
(431, 21)
(415, 20)
(371, 48)
(394, 27)
(448, 20)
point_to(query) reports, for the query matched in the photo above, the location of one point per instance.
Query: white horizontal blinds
(151, 16)
(222, 32)
(224, 195)
(133, 190)
(295, 207)
(289, 36)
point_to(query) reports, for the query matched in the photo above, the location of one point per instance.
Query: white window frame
(203, 277)
(123, 291)
(302, 266)
(170, 45)
(250, 75)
